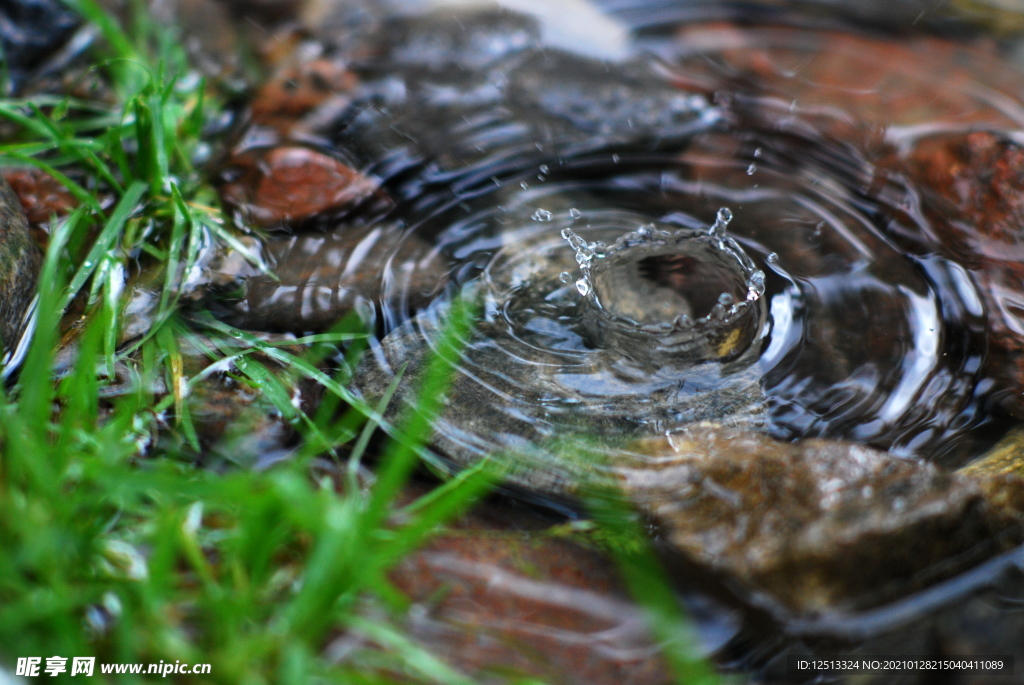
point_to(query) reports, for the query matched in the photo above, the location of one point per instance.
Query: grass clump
(109, 550)
(108, 547)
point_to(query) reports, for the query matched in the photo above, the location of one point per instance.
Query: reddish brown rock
(296, 91)
(858, 88)
(490, 597)
(282, 185)
(974, 196)
(41, 195)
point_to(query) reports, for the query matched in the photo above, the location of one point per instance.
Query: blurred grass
(110, 547)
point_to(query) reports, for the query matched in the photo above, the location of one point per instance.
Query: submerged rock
(19, 268)
(320, 278)
(505, 591)
(284, 185)
(973, 194)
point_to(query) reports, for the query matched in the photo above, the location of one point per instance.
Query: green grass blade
(105, 240)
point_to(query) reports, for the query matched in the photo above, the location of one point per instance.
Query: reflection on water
(738, 226)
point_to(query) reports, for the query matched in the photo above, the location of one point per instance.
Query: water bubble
(615, 159)
(543, 168)
(575, 213)
(751, 169)
(583, 287)
(725, 299)
(773, 258)
(757, 152)
(565, 277)
(524, 185)
(541, 215)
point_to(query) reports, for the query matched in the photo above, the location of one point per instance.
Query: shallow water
(577, 198)
(875, 330)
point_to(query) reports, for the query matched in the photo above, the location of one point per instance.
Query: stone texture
(820, 526)
(972, 193)
(321, 277)
(505, 591)
(41, 195)
(19, 268)
(297, 90)
(272, 187)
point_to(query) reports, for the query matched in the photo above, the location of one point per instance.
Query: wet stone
(504, 591)
(973, 196)
(857, 88)
(320, 278)
(515, 106)
(279, 186)
(41, 195)
(475, 40)
(298, 90)
(820, 526)
(19, 268)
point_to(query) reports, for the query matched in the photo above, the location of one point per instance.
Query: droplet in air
(773, 258)
(524, 185)
(751, 169)
(757, 152)
(541, 215)
(565, 277)
(725, 299)
(575, 213)
(583, 287)
(721, 222)
(755, 286)
(615, 159)
(543, 168)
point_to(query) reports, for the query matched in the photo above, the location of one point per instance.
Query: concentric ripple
(584, 208)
